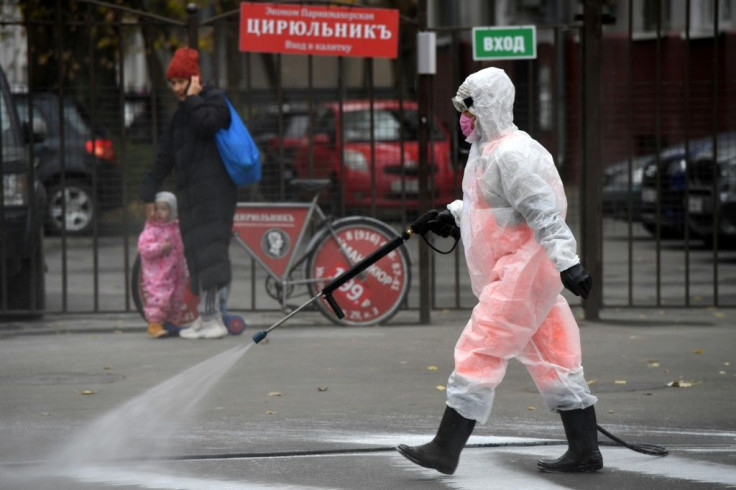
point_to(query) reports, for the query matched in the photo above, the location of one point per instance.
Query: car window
(76, 122)
(325, 123)
(296, 126)
(74, 118)
(388, 125)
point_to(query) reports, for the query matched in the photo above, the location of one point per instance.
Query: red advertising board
(270, 232)
(323, 31)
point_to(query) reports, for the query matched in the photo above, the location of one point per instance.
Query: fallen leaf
(531, 408)
(620, 382)
(88, 392)
(107, 368)
(432, 368)
(117, 332)
(270, 412)
(275, 393)
(592, 382)
(726, 363)
(719, 314)
(653, 363)
(722, 372)
(610, 410)
(321, 388)
(45, 414)
(698, 351)
(682, 384)
(441, 387)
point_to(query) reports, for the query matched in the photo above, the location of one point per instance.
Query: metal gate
(667, 127)
(600, 94)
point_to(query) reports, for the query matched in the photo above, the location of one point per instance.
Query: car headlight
(355, 160)
(15, 190)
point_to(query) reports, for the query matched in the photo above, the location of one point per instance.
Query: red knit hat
(184, 64)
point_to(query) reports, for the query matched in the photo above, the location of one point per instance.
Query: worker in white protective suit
(519, 252)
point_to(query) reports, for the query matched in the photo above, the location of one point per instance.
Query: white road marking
(479, 466)
(473, 471)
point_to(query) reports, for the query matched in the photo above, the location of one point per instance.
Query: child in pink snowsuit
(163, 266)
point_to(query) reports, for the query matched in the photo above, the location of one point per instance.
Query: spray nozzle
(259, 336)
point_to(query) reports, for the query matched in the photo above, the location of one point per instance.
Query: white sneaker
(193, 330)
(213, 329)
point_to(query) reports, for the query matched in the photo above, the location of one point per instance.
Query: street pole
(423, 94)
(592, 212)
(193, 24)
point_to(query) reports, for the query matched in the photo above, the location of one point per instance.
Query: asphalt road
(90, 402)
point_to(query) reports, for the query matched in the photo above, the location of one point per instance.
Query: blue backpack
(238, 151)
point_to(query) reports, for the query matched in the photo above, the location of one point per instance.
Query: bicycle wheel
(136, 289)
(373, 296)
(189, 307)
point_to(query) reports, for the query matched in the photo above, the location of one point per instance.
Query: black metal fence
(614, 126)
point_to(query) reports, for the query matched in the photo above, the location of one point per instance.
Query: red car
(393, 163)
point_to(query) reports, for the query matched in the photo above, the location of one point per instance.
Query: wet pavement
(319, 406)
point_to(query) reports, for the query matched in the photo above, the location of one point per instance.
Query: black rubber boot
(443, 453)
(582, 439)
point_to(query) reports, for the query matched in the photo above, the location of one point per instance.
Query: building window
(652, 12)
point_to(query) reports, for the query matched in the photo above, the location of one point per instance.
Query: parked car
(92, 176)
(672, 215)
(395, 162)
(22, 268)
(701, 203)
(618, 198)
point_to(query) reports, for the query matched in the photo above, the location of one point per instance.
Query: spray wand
(418, 227)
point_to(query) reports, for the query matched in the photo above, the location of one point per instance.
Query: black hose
(650, 449)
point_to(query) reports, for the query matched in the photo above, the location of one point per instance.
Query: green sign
(504, 43)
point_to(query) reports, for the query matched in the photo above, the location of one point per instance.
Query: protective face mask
(466, 125)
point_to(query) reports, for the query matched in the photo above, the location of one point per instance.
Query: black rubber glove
(577, 280)
(421, 225)
(444, 225)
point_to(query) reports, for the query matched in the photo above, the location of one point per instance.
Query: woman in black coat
(206, 194)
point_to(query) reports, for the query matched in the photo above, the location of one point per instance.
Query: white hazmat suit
(520, 253)
(512, 222)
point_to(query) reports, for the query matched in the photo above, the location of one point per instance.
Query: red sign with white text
(270, 232)
(322, 31)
